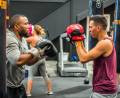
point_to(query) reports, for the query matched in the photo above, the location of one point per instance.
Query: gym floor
(63, 87)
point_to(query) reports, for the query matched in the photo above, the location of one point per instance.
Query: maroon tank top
(104, 74)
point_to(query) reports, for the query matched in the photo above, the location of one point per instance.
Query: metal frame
(73, 68)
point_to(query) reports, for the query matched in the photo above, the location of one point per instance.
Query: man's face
(23, 27)
(93, 29)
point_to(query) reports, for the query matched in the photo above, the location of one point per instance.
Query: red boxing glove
(75, 32)
(78, 38)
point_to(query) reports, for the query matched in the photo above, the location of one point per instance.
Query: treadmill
(69, 68)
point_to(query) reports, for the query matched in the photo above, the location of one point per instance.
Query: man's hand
(46, 48)
(34, 52)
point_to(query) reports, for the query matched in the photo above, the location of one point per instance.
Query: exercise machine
(66, 67)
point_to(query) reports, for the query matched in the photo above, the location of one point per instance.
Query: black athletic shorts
(18, 92)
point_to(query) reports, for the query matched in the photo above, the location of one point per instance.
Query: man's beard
(23, 33)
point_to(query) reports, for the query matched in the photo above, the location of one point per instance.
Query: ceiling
(42, 0)
(35, 10)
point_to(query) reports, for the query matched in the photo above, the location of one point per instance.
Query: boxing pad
(75, 32)
(49, 49)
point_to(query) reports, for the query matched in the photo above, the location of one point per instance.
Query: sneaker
(29, 94)
(50, 93)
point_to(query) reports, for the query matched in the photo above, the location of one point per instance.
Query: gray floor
(63, 87)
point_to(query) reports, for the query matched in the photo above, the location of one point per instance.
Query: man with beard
(17, 56)
(104, 83)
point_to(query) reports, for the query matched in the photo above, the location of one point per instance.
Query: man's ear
(98, 27)
(16, 26)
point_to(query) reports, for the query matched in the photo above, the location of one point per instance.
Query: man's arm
(26, 59)
(15, 56)
(100, 49)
